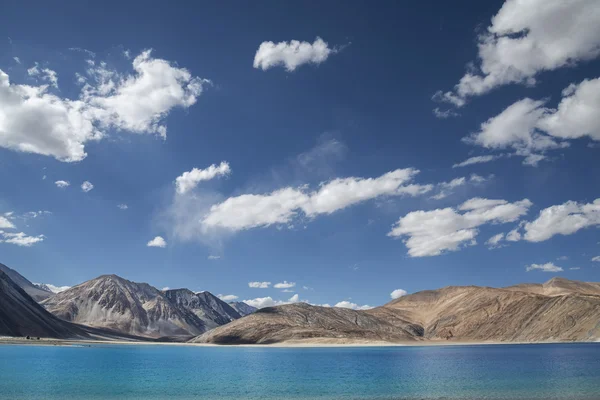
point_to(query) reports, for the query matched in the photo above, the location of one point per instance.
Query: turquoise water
(557, 371)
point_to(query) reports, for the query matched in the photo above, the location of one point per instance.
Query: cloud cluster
(445, 189)
(19, 238)
(62, 184)
(563, 219)
(262, 302)
(259, 285)
(291, 54)
(158, 241)
(526, 38)
(281, 206)
(548, 267)
(396, 294)
(352, 306)
(431, 233)
(33, 120)
(284, 285)
(190, 179)
(87, 186)
(227, 297)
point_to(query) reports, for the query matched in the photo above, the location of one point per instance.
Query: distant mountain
(211, 310)
(110, 301)
(242, 308)
(51, 288)
(37, 293)
(558, 310)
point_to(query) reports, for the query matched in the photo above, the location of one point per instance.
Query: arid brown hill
(559, 310)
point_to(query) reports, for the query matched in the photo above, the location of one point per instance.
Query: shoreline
(15, 341)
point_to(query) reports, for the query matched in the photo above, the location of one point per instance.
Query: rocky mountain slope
(110, 301)
(21, 315)
(559, 310)
(242, 308)
(37, 293)
(205, 306)
(301, 321)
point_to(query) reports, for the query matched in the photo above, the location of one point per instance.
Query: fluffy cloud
(52, 288)
(353, 306)
(158, 241)
(190, 179)
(5, 223)
(122, 206)
(20, 238)
(32, 120)
(524, 39)
(262, 302)
(281, 206)
(284, 285)
(291, 54)
(577, 113)
(563, 219)
(87, 186)
(516, 128)
(597, 259)
(430, 233)
(212, 257)
(227, 297)
(398, 293)
(62, 184)
(476, 160)
(45, 74)
(548, 267)
(259, 285)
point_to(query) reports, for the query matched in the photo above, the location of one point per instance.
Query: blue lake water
(553, 371)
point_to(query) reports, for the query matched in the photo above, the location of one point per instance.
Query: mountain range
(558, 310)
(111, 307)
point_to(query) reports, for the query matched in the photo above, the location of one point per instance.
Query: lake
(147, 372)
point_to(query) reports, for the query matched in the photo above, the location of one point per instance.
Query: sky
(340, 153)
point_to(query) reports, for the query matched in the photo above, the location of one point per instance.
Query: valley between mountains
(112, 308)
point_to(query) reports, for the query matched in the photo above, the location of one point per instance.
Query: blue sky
(332, 158)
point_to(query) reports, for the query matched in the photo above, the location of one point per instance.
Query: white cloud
(35, 121)
(20, 238)
(122, 206)
(398, 293)
(514, 235)
(158, 241)
(87, 186)
(443, 114)
(476, 160)
(353, 306)
(281, 206)
(212, 257)
(62, 184)
(516, 128)
(447, 188)
(284, 285)
(138, 102)
(494, 241)
(596, 259)
(5, 223)
(577, 113)
(227, 297)
(291, 54)
(190, 179)
(563, 219)
(259, 285)
(430, 233)
(165, 288)
(262, 302)
(548, 267)
(528, 37)
(45, 74)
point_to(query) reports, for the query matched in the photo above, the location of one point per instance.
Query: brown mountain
(558, 310)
